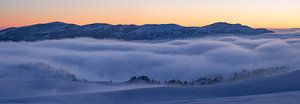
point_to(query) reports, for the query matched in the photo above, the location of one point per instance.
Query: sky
(255, 13)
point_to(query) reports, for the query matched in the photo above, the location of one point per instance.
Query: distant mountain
(287, 31)
(60, 30)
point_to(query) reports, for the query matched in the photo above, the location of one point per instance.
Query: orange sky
(255, 13)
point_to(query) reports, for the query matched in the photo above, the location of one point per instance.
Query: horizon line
(4, 27)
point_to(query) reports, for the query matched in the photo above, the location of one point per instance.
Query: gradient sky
(255, 13)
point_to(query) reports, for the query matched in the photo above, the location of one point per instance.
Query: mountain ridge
(61, 30)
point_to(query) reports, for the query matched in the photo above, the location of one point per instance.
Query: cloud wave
(184, 59)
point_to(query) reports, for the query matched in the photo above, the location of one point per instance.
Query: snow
(60, 30)
(33, 88)
(283, 88)
(30, 71)
(158, 28)
(97, 26)
(277, 98)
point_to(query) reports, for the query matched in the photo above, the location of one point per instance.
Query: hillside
(60, 30)
(274, 85)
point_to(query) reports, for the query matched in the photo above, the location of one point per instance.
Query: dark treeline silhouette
(211, 80)
(256, 73)
(143, 79)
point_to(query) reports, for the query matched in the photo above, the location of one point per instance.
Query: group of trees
(143, 79)
(256, 73)
(210, 80)
(177, 82)
(198, 82)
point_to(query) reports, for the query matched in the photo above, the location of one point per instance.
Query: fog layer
(184, 59)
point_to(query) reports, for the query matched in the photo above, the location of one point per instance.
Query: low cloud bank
(184, 59)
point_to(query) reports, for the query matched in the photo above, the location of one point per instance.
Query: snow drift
(157, 95)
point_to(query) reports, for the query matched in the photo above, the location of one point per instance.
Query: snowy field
(278, 98)
(275, 89)
(83, 70)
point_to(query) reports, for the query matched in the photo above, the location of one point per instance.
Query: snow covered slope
(277, 98)
(35, 71)
(60, 30)
(170, 95)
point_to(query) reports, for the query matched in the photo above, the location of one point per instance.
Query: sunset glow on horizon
(255, 13)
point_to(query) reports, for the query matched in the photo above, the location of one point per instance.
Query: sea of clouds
(187, 59)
